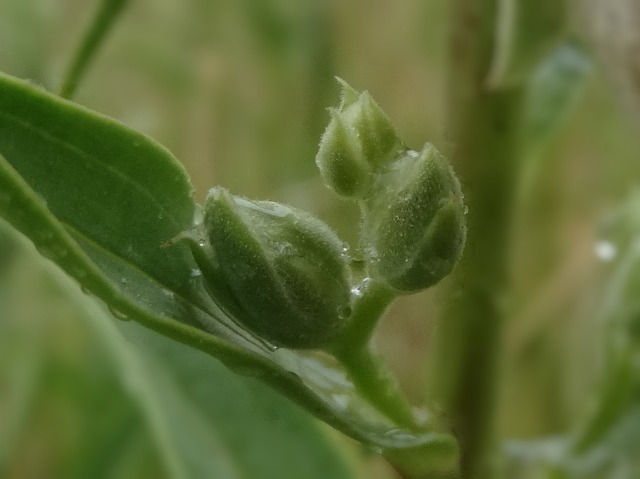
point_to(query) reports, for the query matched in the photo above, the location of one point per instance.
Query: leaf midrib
(89, 157)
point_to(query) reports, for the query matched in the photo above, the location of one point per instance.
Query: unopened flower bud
(276, 270)
(358, 141)
(414, 225)
(341, 160)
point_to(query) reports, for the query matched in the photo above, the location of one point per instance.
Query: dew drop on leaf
(341, 401)
(344, 312)
(119, 314)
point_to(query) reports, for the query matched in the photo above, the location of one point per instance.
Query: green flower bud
(380, 141)
(341, 160)
(358, 141)
(414, 225)
(276, 270)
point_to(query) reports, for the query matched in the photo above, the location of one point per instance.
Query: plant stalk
(366, 369)
(102, 22)
(484, 125)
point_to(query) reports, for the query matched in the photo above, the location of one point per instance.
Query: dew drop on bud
(359, 290)
(285, 249)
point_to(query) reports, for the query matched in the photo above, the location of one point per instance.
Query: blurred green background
(238, 90)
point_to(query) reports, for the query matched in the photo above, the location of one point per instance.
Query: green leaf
(188, 445)
(525, 32)
(619, 391)
(268, 436)
(551, 95)
(200, 419)
(100, 200)
(552, 92)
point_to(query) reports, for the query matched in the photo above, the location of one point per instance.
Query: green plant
(272, 293)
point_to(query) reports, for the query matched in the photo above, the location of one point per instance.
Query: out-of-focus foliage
(81, 401)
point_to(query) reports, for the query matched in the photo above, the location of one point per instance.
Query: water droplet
(605, 250)
(195, 272)
(201, 243)
(465, 209)
(374, 449)
(198, 215)
(344, 312)
(421, 415)
(399, 434)
(285, 248)
(119, 314)
(359, 290)
(341, 401)
(413, 153)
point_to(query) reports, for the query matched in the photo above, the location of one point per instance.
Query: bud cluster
(284, 275)
(413, 228)
(358, 141)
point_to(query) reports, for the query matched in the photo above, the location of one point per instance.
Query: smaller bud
(380, 141)
(276, 270)
(341, 160)
(359, 141)
(414, 225)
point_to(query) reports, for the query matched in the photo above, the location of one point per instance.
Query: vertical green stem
(484, 126)
(104, 18)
